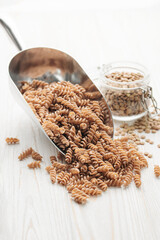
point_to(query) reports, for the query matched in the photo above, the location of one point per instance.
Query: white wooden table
(31, 208)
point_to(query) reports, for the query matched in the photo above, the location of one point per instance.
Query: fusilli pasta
(52, 173)
(11, 140)
(35, 164)
(25, 154)
(36, 155)
(76, 119)
(157, 170)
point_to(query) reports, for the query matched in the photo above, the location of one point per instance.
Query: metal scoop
(48, 65)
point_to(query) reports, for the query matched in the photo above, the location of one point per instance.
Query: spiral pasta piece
(101, 149)
(56, 130)
(117, 163)
(140, 156)
(79, 196)
(60, 176)
(142, 159)
(42, 112)
(38, 83)
(93, 95)
(11, 140)
(92, 146)
(36, 156)
(64, 140)
(112, 175)
(64, 179)
(128, 179)
(101, 185)
(84, 142)
(70, 187)
(137, 166)
(91, 133)
(68, 104)
(114, 183)
(96, 107)
(27, 153)
(137, 180)
(52, 173)
(35, 164)
(122, 153)
(157, 170)
(59, 166)
(48, 100)
(92, 191)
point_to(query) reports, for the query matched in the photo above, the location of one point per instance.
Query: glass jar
(125, 86)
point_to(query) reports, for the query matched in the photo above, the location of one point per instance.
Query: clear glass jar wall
(124, 86)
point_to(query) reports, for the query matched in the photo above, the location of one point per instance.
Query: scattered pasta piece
(52, 173)
(27, 153)
(137, 180)
(36, 156)
(157, 170)
(11, 140)
(35, 164)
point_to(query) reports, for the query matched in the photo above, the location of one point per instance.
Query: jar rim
(126, 64)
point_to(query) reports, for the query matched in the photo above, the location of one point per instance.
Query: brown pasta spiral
(35, 164)
(137, 180)
(92, 191)
(60, 166)
(140, 156)
(60, 176)
(91, 133)
(96, 108)
(64, 178)
(25, 154)
(12, 140)
(79, 196)
(157, 170)
(137, 166)
(101, 185)
(122, 153)
(36, 156)
(114, 183)
(52, 173)
(112, 175)
(128, 178)
(68, 104)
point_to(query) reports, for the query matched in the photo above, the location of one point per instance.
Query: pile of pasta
(77, 121)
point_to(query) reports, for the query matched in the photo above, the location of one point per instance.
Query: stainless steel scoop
(48, 65)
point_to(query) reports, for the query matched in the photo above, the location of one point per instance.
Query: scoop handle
(11, 34)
